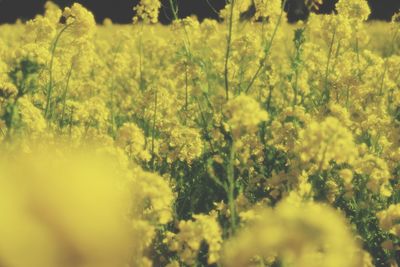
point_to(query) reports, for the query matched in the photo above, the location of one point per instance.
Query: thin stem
(50, 85)
(112, 89)
(358, 57)
(153, 133)
(141, 82)
(186, 42)
(10, 122)
(269, 98)
(267, 51)
(228, 49)
(326, 87)
(212, 8)
(186, 88)
(386, 63)
(66, 93)
(174, 9)
(383, 77)
(296, 89)
(205, 126)
(231, 187)
(70, 122)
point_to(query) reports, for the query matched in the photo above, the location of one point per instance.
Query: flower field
(239, 142)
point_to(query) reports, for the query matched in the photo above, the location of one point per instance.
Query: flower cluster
(147, 10)
(300, 234)
(131, 138)
(268, 9)
(81, 20)
(356, 9)
(244, 114)
(389, 218)
(191, 235)
(321, 143)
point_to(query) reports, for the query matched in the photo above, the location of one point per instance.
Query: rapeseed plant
(231, 143)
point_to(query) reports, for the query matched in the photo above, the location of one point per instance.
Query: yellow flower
(131, 138)
(321, 143)
(300, 234)
(7, 90)
(244, 114)
(52, 12)
(185, 144)
(31, 118)
(81, 20)
(268, 9)
(191, 233)
(347, 175)
(155, 196)
(147, 10)
(389, 218)
(378, 172)
(354, 9)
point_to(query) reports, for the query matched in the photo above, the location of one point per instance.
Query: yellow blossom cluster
(355, 9)
(147, 10)
(389, 218)
(268, 9)
(191, 235)
(81, 20)
(131, 138)
(321, 143)
(244, 114)
(300, 234)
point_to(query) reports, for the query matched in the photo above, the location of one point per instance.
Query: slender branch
(50, 85)
(228, 49)
(212, 8)
(65, 94)
(231, 187)
(263, 62)
(326, 87)
(153, 133)
(205, 126)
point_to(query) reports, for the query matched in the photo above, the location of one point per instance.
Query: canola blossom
(245, 141)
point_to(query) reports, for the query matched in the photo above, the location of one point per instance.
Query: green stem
(269, 98)
(231, 187)
(153, 133)
(186, 42)
(383, 77)
(295, 87)
(358, 57)
(174, 9)
(113, 98)
(205, 126)
(50, 85)
(326, 87)
(66, 93)
(70, 122)
(386, 63)
(228, 49)
(186, 88)
(141, 82)
(263, 61)
(11, 110)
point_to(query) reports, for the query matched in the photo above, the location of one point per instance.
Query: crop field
(238, 142)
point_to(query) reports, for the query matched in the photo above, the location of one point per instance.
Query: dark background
(120, 11)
